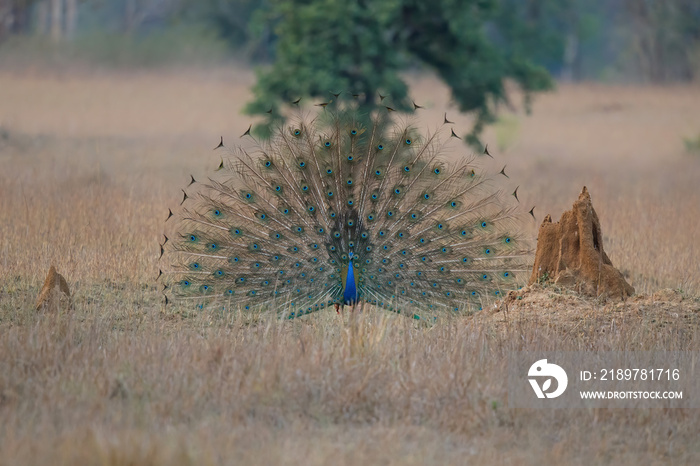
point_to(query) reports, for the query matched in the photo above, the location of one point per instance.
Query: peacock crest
(339, 209)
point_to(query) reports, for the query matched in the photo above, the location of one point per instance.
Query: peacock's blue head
(350, 255)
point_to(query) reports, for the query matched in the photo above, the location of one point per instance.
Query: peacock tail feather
(334, 211)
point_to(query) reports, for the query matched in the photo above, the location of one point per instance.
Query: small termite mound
(55, 293)
(570, 253)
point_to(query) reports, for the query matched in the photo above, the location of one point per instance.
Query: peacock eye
(327, 144)
(408, 142)
(380, 147)
(353, 132)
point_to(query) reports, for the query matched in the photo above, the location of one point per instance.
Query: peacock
(340, 208)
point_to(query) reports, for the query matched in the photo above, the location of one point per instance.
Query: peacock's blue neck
(350, 293)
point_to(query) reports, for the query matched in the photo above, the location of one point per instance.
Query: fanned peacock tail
(331, 211)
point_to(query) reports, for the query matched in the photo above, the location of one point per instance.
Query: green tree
(361, 46)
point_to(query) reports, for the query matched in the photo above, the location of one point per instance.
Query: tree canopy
(361, 47)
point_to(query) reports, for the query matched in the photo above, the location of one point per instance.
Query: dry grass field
(90, 163)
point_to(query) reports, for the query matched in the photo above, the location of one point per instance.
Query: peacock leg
(337, 308)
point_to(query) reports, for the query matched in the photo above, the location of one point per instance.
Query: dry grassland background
(90, 163)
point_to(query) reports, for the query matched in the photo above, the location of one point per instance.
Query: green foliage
(175, 44)
(330, 46)
(692, 145)
(326, 46)
(506, 127)
(191, 44)
(235, 21)
(665, 38)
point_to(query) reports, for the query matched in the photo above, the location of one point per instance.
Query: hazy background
(622, 41)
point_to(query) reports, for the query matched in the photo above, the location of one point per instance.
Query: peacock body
(332, 211)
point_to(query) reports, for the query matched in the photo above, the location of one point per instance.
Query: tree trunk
(129, 16)
(20, 18)
(5, 20)
(570, 57)
(71, 18)
(42, 18)
(56, 20)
